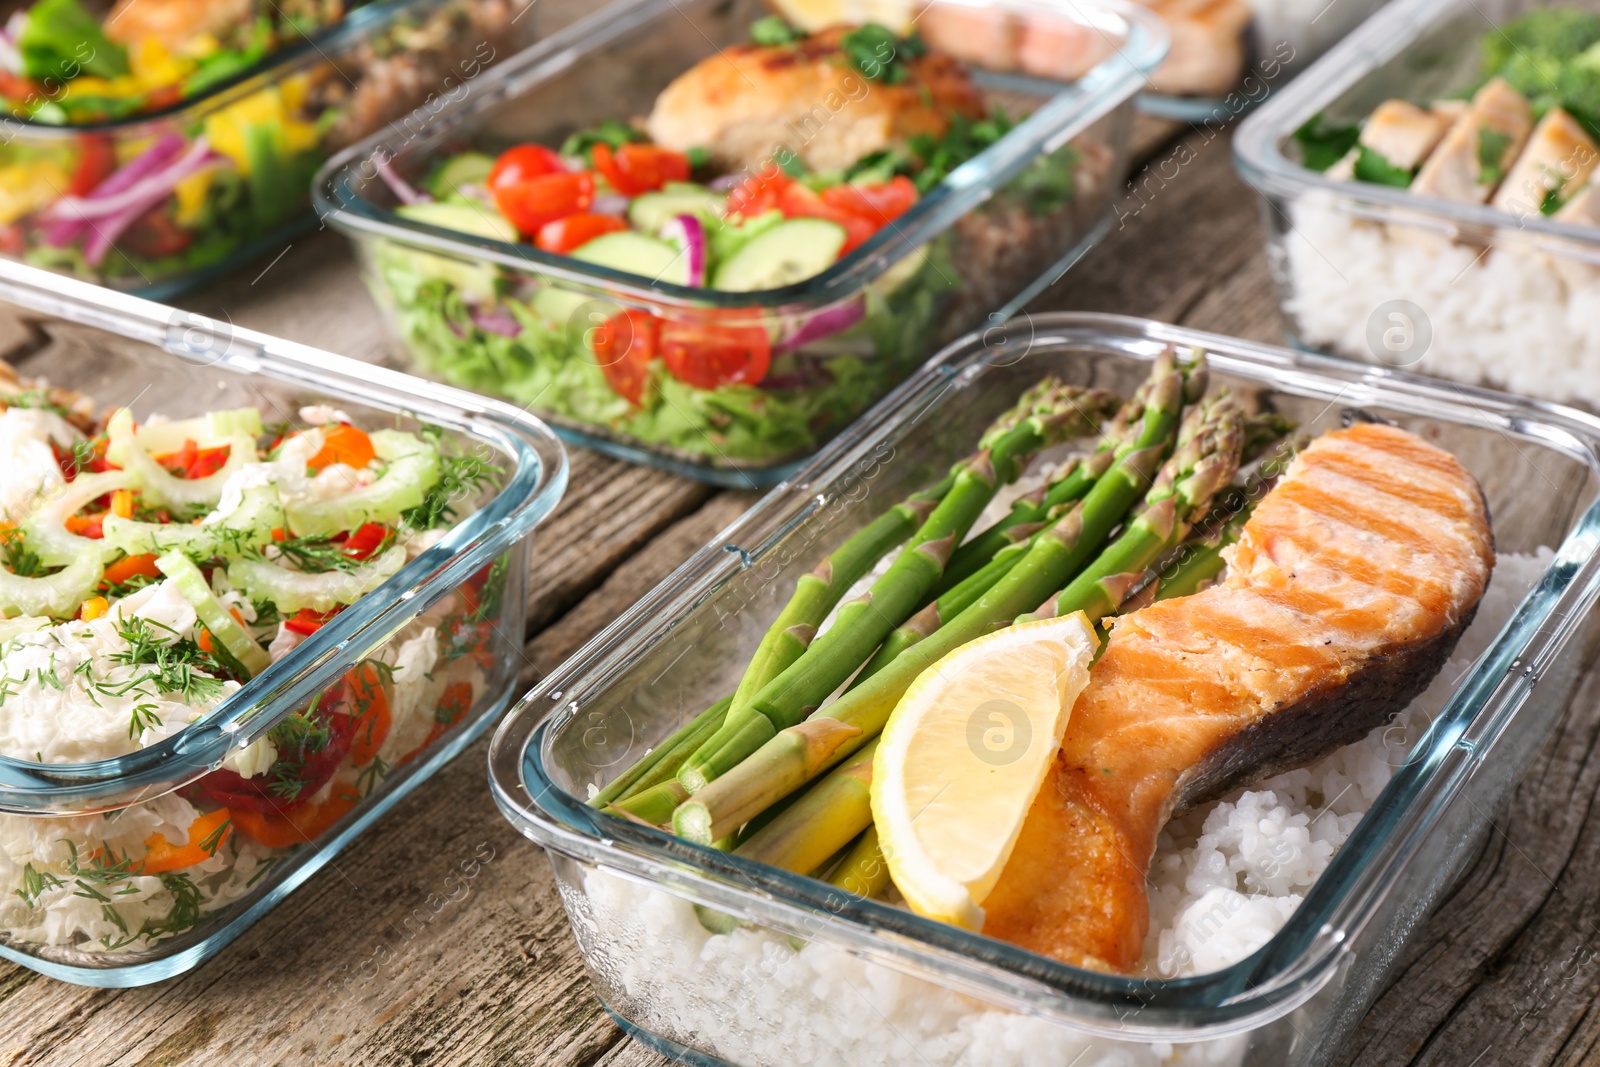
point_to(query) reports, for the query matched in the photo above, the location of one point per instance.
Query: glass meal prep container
(1457, 290)
(511, 320)
(76, 838)
(818, 975)
(167, 199)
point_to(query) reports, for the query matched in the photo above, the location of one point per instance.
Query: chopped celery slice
(45, 529)
(210, 430)
(213, 615)
(57, 595)
(246, 527)
(161, 489)
(290, 590)
(411, 469)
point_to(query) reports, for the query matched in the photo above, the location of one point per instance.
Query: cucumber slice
(478, 220)
(789, 252)
(649, 211)
(411, 469)
(475, 281)
(290, 590)
(637, 254)
(469, 168)
(212, 613)
(248, 526)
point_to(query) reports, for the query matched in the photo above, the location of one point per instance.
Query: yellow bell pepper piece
(191, 193)
(225, 129)
(30, 186)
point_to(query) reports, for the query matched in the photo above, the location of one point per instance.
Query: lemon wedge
(814, 15)
(964, 754)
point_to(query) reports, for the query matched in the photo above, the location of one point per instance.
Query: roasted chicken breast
(1347, 591)
(746, 105)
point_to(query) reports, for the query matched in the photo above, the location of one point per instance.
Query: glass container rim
(1071, 110)
(1306, 953)
(527, 495)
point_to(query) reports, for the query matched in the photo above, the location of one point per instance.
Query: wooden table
(1504, 974)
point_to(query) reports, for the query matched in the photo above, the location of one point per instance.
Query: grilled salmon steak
(1346, 593)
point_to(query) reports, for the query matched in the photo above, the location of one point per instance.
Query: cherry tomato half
(799, 202)
(542, 200)
(639, 168)
(707, 356)
(624, 345)
(575, 231)
(758, 194)
(879, 204)
(517, 166)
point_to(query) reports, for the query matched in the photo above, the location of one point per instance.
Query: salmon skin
(1345, 594)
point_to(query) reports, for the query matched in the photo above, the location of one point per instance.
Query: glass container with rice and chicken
(152, 144)
(1432, 195)
(718, 262)
(239, 617)
(1127, 701)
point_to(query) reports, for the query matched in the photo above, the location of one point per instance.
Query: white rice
(1510, 317)
(1226, 878)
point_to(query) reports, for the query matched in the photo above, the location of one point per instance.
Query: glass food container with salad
(1264, 947)
(251, 594)
(1431, 195)
(153, 144)
(717, 262)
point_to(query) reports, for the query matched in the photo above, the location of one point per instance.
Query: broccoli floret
(1555, 33)
(1580, 89)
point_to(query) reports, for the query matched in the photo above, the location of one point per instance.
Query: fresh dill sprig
(461, 477)
(19, 559)
(35, 883)
(297, 738)
(144, 717)
(180, 666)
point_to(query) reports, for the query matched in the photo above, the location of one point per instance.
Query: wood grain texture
(439, 938)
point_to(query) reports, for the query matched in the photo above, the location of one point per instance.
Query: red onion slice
(824, 323)
(397, 185)
(688, 234)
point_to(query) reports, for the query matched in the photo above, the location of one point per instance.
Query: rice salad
(1226, 877)
(147, 573)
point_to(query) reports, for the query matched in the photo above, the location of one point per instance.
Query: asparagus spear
(1204, 462)
(863, 870)
(799, 752)
(1146, 421)
(662, 762)
(1147, 417)
(825, 819)
(1055, 414)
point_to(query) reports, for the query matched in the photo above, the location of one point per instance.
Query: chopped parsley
(35, 398)
(879, 55)
(1492, 145)
(1322, 143)
(1374, 168)
(773, 31)
(613, 133)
